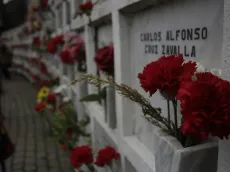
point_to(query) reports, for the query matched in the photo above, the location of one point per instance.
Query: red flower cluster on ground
(205, 106)
(66, 58)
(166, 75)
(51, 97)
(53, 44)
(86, 6)
(106, 155)
(39, 107)
(81, 155)
(105, 59)
(36, 41)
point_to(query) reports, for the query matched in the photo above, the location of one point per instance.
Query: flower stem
(169, 114)
(90, 167)
(188, 142)
(174, 102)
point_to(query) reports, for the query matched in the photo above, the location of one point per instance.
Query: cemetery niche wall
(138, 36)
(191, 28)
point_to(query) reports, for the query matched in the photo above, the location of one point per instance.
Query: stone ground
(35, 150)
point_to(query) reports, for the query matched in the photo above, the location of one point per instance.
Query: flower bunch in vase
(104, 60)
(85, 9)
(204, 110)
(74, 51)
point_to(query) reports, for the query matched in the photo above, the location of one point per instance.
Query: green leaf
(91, 98)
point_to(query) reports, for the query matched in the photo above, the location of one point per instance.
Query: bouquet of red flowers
(203, 99)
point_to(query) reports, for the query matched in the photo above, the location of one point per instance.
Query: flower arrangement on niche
(36, 41)
(54, 44)
(41, 75)
(67, 130)
(74, 51)
(85, 9)
(104, 60)
(39, 44)
(202, 97)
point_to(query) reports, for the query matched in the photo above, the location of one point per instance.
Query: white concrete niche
(81, 87)
(101, 9)
(179, 16)
(102, 139)
(129, 166)
(105, 37)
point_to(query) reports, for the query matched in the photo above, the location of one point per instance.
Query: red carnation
(44, 3)
(77, 53)
(35, 77)
(39, 107)
(86, 6)
(51, 47)
(205, 107)
(36, 41)
(43, 68)
(51, 97)
(66, 58)
(45, 82)
(58, 39)
(81, 155)
(106, 155)
(166, 75)
(105, 59)
(53, 43)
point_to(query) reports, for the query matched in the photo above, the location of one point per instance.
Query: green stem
(174, 102)
(90, 167)
(188, 142)
(169, 113)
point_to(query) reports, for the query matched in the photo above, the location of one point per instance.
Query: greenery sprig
(150, 113)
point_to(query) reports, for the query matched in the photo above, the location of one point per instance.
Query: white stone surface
(102, 140)
(224, 145)
(105, 35)
(110, 107)
(172, 157)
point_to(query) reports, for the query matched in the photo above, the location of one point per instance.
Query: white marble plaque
(192, 28)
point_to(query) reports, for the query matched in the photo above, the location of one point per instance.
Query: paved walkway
(35, 150)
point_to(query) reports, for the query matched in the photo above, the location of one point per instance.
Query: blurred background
(12, 13)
